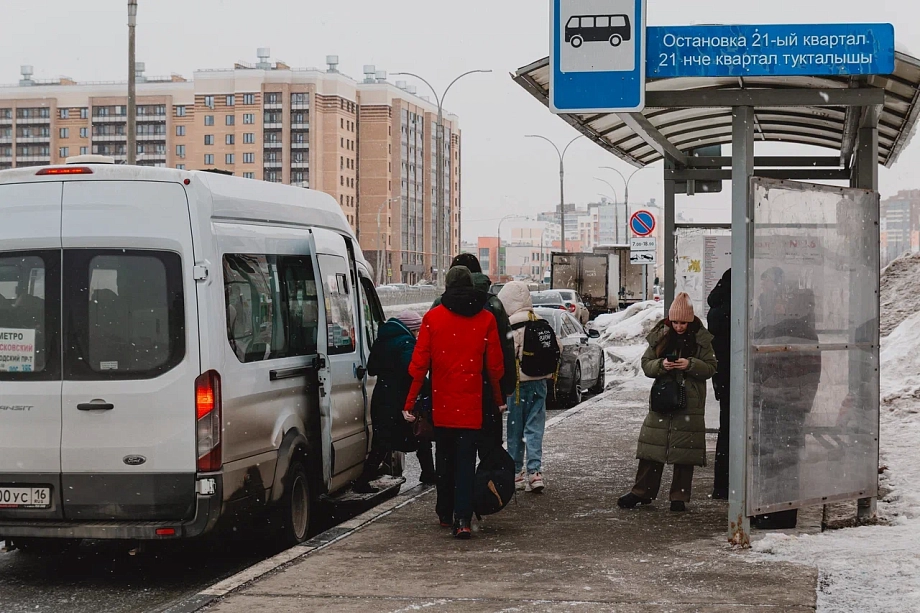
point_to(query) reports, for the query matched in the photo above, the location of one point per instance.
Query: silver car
(582, 368)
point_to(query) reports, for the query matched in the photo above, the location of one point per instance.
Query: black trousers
(648, 481)
(456, 465)
(721, 468)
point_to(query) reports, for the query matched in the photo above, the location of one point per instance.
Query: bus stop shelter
(805, 407)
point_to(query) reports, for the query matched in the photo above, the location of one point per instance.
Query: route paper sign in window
(17, 350)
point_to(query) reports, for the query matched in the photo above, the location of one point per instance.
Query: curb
(209, 595)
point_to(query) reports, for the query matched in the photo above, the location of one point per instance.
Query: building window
(249, 98)
(208, 139)
(249, 138)
(180, 111)
(64, 132)
(65, 113)
(298, 98)
(249, 118)
(209, 101)
(180, 130)
(231, 139)
(209, 120)
(209, 159)
(64, 152)
(84, 150)
(249, 158)
(84, 113)
(249, 175)
(272, 98)
(84, 132)
(230, 120)
(231, 100)
(180, 166)
(230, 159)
(180, 151)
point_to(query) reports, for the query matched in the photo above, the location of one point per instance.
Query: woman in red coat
(458, 344)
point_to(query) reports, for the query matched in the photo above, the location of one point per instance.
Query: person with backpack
(458, 344)
(537, 352)
(680, 359)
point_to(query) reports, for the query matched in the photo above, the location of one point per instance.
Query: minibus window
(28, 321)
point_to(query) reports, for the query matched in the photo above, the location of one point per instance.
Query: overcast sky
(503, 172)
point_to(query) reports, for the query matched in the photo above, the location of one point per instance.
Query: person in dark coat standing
(389, 362)
(492, 428)
(459, 345)
(719, 319)
(678, 347)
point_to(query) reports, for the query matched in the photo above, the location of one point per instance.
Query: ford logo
(134, 460)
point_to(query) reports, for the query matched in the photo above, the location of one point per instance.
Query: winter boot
(630, 500)
(678, 506)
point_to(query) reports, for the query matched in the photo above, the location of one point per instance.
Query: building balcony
(274, 165)
(27, 159)
(304, 125)
(300, 146)
(273, 106)
(304, 184)
(23, 121)
(151, 137)
(300, 165)
(152, 118)
(268, 145)
(6, 140)
(26, 140)
(6, 121)
(273, 126)
(300, 107)
(6, 158)
(110, 138)
(110, 119)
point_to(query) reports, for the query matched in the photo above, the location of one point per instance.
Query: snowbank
(629, 327)
(900, 291)
(876, 568)
(392, 311)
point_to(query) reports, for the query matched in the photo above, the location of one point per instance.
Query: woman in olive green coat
(677, 438)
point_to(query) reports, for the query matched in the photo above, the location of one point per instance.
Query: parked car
(192, 348)
(575, 305)
(582, 368)
(550, 299)
(495, 288)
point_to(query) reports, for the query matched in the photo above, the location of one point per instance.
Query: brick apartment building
(371, 144)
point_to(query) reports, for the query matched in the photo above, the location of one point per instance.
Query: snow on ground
(877, 568)
(392, 311)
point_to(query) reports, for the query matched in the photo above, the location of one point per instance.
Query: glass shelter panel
(813, 396)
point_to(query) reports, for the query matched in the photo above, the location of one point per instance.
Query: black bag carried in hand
(493, 487)
(669, 395)
(423, 426)
(540, 350)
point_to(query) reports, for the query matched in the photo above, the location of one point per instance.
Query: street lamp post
(132, 85)
(627, 180)
(561, 179)
(439, 238)
(381, 251)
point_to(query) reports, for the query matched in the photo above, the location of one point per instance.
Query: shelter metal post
(742, 240)
(669, 234)
(867, 178)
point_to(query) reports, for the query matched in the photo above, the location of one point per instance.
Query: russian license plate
(25, 497)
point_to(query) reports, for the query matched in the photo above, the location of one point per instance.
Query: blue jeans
(526, 424)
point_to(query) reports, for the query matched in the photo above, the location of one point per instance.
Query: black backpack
(540, 352)
(493, 487)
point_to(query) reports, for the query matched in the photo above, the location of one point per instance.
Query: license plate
(25, 497)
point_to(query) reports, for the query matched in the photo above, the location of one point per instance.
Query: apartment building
(367, 144)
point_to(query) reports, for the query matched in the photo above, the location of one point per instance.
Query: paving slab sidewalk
(568, 549)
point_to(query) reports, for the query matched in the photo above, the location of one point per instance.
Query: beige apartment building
(370, 144)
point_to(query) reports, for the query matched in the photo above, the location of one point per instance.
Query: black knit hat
(469, 260)
(459, 276)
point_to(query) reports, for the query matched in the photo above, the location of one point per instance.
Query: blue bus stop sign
(597, 59)
(771, 50)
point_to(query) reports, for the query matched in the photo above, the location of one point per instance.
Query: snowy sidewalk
(568, 549)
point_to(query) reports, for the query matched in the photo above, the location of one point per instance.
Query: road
(104, 577)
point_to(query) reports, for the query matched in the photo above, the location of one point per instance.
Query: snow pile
(876, 568)
(392, 311)
(900, 291)
(629, 327)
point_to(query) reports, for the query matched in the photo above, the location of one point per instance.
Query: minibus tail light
(66, 170)
(208, 414)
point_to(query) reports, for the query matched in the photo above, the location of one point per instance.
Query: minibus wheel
(295, 512)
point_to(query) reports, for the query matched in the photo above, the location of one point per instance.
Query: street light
(561, 179)
(616, 222)
(439, 167)
(132, 85)
(381, 253)
(500, 222)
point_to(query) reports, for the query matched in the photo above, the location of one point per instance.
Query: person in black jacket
(719, 319)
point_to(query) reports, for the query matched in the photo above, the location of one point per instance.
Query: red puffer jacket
(453, 345)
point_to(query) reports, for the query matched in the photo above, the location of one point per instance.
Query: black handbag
(669, 395)
(423, 426)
